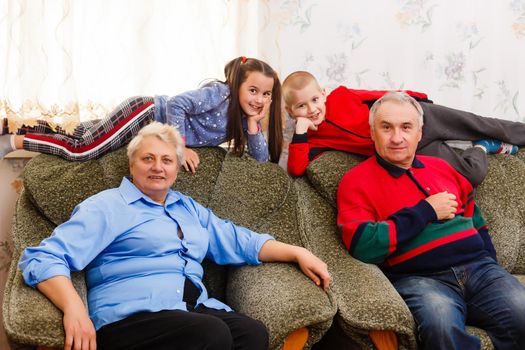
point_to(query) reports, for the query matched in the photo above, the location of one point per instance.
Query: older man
(416, 218)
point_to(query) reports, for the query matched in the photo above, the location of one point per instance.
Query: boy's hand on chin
(302, 125)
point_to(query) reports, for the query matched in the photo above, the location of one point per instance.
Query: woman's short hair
(163, 132)
(396, 96)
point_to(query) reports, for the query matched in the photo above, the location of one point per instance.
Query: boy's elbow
(295, 172)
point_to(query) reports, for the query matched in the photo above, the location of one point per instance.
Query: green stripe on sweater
(437, 230)
(373, 244)
(477, 218)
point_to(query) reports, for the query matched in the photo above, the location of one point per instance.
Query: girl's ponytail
(234, 130)
(275, 125)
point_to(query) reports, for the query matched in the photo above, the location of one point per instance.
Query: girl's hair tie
(243, 59)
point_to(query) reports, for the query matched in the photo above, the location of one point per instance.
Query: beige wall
(10, 185)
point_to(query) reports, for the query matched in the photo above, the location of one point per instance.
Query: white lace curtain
(71, 60)
(77, 59)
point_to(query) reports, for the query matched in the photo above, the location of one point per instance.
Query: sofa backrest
(501, 198)
(252, 194)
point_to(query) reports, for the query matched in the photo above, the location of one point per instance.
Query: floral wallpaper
(463, 54)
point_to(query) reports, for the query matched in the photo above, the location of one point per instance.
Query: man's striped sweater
(386, 220)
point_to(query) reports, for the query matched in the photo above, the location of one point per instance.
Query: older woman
(141, 246)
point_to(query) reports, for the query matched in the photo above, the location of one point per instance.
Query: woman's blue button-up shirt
(131, 252)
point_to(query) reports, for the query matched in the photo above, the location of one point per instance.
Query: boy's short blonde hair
(296, 81)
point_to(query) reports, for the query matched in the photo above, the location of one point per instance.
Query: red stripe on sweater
(431, 245)
(348, 235)
(392, 234)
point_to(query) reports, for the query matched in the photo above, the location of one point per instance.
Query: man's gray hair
(163, 132)
(396, 96)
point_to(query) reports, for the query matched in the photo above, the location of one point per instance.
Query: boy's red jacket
(345, 127)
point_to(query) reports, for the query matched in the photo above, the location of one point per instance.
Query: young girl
(218, 112)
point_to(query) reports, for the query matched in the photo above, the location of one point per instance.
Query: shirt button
(428, 188)
(178, 291)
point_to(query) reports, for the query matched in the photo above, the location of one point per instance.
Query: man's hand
(191, 160)
(302, 125)
(444, 205)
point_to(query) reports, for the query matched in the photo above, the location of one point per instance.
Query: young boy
(339, 121)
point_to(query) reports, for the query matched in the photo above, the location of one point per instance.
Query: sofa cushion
(250, 203)
(326, 172)
(502, 202)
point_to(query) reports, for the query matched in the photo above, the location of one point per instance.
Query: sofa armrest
(29, 317)
(283, 298)
(365, 297)
(368, 301)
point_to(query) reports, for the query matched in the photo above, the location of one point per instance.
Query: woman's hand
(314, 268)
(191, 160)
(79, 330)
(310, 265)
(254, 120)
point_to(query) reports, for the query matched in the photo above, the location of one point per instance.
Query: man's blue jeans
(479, 293)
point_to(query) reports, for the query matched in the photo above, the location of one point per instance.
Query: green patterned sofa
(264, 198)
(365, 298)
(259, 196)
